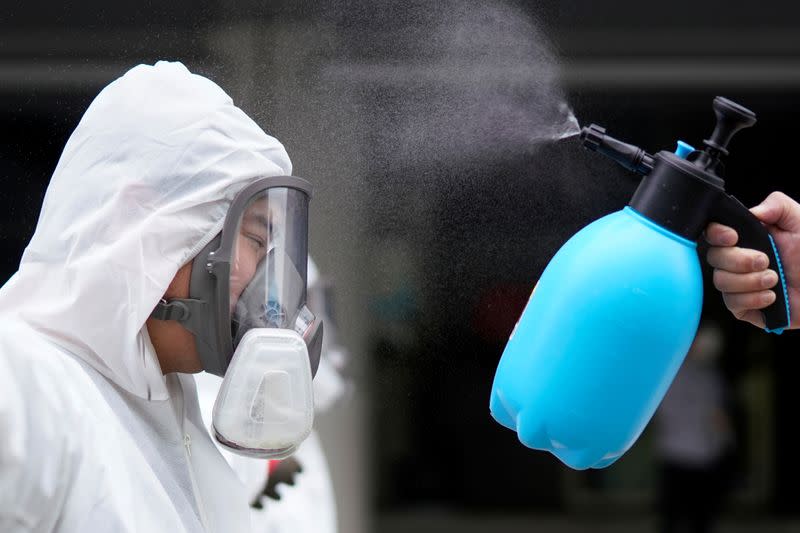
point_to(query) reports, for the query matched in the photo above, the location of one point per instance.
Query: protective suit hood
(142, 186)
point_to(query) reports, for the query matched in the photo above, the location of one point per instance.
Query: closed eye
(256, 240)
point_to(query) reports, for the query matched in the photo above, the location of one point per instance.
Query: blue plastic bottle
(586, 389)
(616, 310)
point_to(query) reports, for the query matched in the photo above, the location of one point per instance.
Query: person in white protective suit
(295, 495)
(172, 239)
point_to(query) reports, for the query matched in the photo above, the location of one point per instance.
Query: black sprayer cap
(680, 194)
(677, 193)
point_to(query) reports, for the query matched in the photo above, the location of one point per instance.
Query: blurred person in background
(100, 427)
(296, 494)
(695, 439)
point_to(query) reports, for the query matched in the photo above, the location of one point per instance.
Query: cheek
(242, 271)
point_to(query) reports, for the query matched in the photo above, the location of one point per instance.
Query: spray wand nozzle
(629, 156)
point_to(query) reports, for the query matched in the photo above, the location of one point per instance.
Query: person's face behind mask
(253, 242)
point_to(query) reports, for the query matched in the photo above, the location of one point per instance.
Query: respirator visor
(267, 286)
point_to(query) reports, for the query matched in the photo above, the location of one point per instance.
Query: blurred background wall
(437, 205)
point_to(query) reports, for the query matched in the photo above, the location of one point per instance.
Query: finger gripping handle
(752, 234)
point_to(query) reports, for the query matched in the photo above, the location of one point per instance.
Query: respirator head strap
(170, 310)
(185, 311)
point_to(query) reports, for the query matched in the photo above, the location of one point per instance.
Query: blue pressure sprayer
(615, 312)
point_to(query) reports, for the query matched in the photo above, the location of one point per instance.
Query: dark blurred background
(432, 254)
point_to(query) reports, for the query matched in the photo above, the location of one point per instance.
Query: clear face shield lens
(268, 263)
(265, 405)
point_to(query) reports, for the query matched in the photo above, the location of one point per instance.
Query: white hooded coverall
(93, 437)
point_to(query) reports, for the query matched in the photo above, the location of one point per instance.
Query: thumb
(779, 210)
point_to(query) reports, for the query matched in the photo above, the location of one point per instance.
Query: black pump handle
(731, 117)
(753, 234)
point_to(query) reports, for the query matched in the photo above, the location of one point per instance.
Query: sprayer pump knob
(731, 117)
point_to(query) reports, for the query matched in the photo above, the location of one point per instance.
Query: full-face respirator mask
(247, 311)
